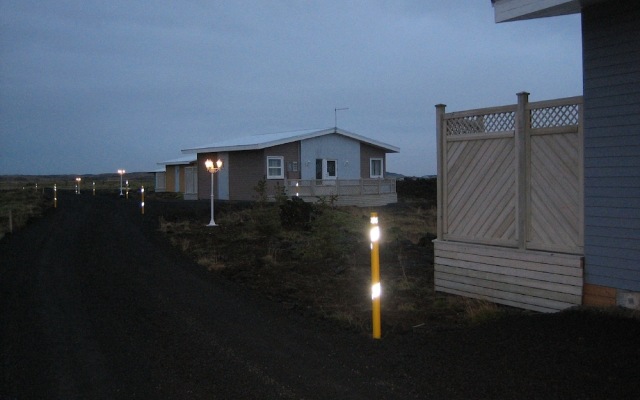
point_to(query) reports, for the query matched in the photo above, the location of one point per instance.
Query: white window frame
(281, 167)
(325, 170)
(371, 161)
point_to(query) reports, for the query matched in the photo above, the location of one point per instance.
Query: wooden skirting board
(533, 280)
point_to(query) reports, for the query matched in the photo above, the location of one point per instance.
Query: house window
(275, 167)
(376, 170)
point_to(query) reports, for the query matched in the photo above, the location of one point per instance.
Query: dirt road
(93, 306)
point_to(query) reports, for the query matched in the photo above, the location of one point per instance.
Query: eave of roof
(258, 142)
(180, 161)
(517, 10)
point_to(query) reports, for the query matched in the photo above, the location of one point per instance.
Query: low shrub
(296, 214)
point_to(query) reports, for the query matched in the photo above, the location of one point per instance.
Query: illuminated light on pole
(55, 196)
(121, 172)
(127, 184)
(376, 288)
(78, 185)
(212, 169)
(94, 188)
(297, 193)
(142, 200)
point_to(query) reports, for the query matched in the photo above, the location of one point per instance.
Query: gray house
(561, 225)
(308, 164)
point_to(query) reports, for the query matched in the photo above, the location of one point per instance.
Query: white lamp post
(78, 185)
(212, 169)
(121, 172)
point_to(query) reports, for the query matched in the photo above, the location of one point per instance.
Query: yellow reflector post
(376, 289)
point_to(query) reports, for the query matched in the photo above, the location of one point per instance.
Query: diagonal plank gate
(510, 203)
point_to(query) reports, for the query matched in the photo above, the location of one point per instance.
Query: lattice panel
(555, 193)
(552, 117)
(477, 124)
(481, 190)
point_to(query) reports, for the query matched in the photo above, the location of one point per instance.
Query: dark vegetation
(18, 206)
(315, 258)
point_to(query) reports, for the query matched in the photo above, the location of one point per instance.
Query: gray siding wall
(611, 62)
(368, 152)
(333, 147)
(204, 177)
(246, 168)
(290, 152)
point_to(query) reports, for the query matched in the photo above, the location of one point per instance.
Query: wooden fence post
(440, 132)
(521, 132)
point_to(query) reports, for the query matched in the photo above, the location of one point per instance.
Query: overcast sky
(95, 86)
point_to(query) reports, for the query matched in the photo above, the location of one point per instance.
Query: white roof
(514, 10)
(181, 160)
(258, 142)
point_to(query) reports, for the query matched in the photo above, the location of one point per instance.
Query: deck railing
(339, 187)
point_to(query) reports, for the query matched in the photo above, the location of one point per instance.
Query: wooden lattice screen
(510, 203)
(512, 175)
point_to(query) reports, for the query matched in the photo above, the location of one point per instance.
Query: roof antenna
(335, 115)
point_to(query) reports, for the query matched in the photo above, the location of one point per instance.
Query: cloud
(104, 84)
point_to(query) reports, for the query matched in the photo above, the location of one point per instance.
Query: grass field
(17, 206)
(323, 268)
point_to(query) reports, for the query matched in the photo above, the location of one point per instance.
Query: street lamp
(212, 169)
(121, 172)
(78, 185)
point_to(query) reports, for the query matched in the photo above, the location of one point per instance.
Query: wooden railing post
(521, 133)
(440, 132)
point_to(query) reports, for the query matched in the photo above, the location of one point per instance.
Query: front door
(327, 170)
(330, 169)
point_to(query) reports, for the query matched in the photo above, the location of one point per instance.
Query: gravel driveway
(94, 305)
